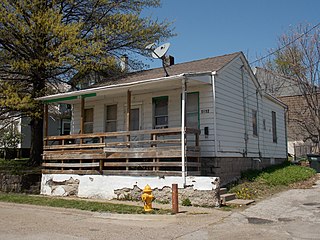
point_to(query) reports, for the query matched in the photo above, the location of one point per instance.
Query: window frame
(63, 122)
(166, 116)
(255, 123)
(274, 126)
(88, 123)
(198, 108)
(108, 121)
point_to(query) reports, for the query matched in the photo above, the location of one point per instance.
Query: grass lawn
(255, 184)
(77, 204)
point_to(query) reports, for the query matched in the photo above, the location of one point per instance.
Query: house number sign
(203, 111)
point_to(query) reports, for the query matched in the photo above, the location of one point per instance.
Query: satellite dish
(160, 51)
(150, 46)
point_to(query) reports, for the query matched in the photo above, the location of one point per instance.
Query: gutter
(103, 88)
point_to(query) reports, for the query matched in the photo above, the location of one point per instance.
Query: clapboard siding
(271, 149)
(144, 102)
(231, 109)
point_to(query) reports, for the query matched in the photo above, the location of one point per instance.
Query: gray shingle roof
(203, 65)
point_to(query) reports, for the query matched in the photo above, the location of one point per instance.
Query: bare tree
(298, 58)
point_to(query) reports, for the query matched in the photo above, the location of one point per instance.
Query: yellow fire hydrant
(147, 198)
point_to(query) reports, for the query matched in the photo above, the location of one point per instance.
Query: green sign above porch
(70, 98)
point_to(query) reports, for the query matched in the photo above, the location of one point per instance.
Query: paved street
(294, 214)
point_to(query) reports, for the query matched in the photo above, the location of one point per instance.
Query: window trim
(110, 120)
(63, 122)
(154, 99)
(255, 123)
(88, 123)
(198, 93)
(274, 126)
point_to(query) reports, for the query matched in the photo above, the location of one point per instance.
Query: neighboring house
(287, 91)
(207, 118)
(59, 121)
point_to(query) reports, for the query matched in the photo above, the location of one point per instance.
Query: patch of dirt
(307, 183)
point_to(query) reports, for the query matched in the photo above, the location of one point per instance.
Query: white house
(207, 118)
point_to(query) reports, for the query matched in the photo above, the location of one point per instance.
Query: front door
(135, 122)
(135, 119)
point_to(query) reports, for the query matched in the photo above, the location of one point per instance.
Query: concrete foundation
(201, 191)
(229, 169)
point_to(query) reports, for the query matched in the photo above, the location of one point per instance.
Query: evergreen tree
(47, 42)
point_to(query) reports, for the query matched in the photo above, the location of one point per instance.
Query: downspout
(214, 114)
(258, 122)
(183, 130)
(286, 133)
(244, 113)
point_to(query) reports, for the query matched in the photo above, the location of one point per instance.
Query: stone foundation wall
(229, 169)
(201, 191)
(204, 198)
(26, 183)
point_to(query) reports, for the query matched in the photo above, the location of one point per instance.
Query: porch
(156, 152)
(139, 144)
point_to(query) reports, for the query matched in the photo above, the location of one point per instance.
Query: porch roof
(195, 72)
(142, 86)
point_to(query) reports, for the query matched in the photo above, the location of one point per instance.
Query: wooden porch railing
(148, 153)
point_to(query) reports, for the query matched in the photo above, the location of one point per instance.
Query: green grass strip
(259, 183)
(77, 204)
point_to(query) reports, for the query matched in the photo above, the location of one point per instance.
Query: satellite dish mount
(160, 53)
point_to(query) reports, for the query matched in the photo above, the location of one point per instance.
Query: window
(274, 127)
(111, 118)
(254, 123)
(160, 112)
(88, 120)
(192, 110)
(65, 127)
(264, 125)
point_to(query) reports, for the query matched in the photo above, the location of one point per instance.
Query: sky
(208, 28)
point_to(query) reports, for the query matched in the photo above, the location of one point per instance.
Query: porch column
(128, 112)
(128, 121)
(183, 129)
(82, 115)
(45, 123)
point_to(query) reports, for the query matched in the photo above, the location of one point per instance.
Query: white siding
(144, 101)
(232, 94)
(271, 149)
(230, 110)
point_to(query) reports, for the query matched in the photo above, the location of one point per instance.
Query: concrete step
(239, 202)
(223, 191)
(227, 197)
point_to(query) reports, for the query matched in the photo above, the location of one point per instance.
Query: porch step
(223, 191)
(227, 197)
(239, 202)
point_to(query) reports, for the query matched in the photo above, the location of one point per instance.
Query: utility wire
(286, 45)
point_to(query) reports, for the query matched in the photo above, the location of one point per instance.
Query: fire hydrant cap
(147, 189)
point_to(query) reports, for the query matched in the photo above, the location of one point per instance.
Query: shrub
(186, 202)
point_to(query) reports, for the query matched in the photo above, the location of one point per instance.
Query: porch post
(183, 130)
(82, 115)
(128, 111)
(128, 121)
(45, 123)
